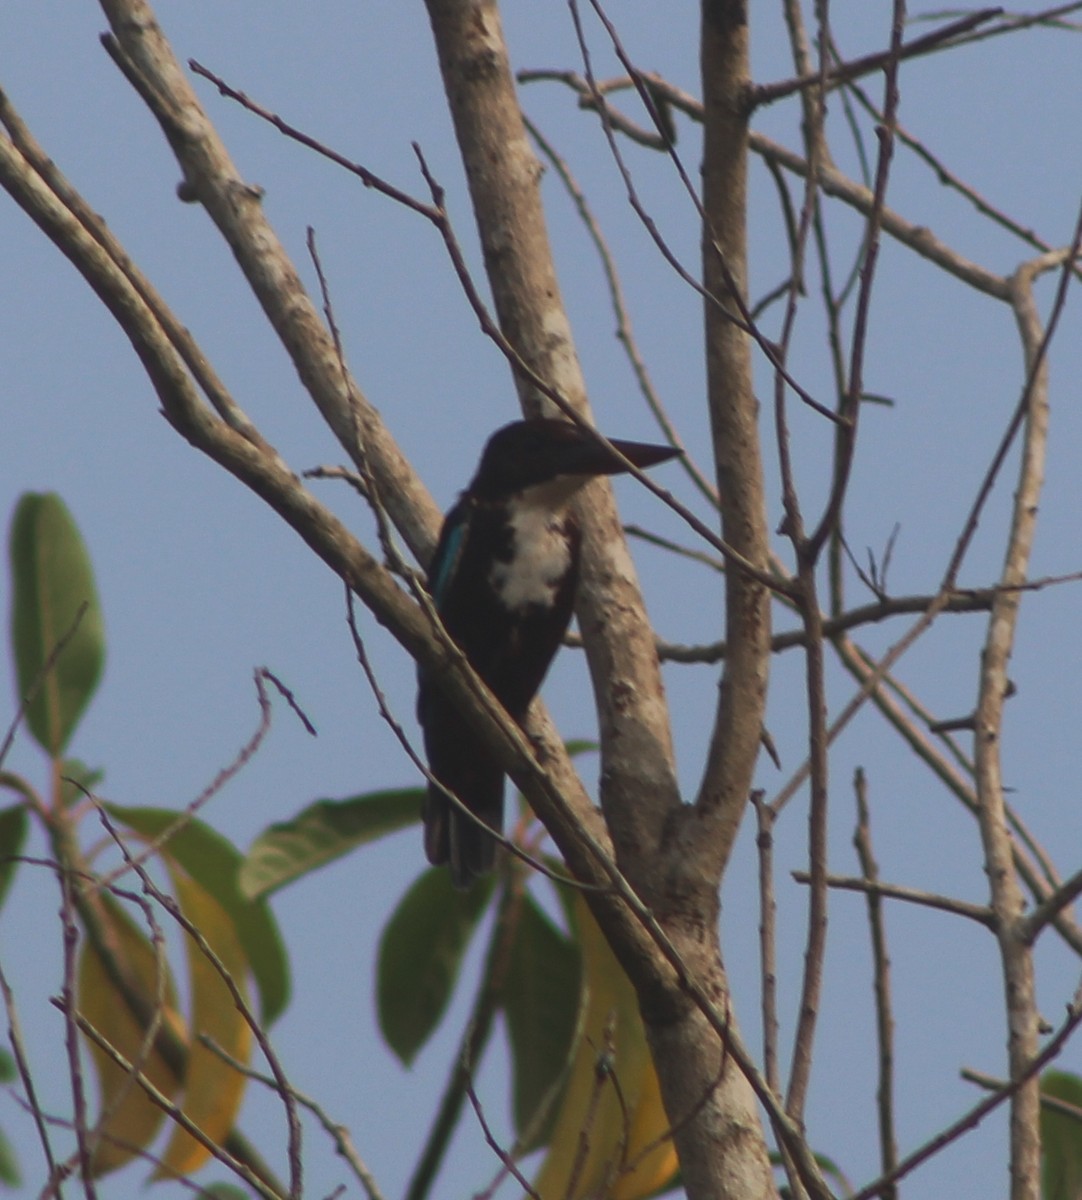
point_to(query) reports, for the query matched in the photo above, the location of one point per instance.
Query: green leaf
(13, 827)
(323, 832)
(9, 1164)
(541, 998)
(1061, 1138)
(420, 953)
(52, 578)
(831, 1170)
(7, 1067)
(225, 1191)
(215, 863)
(842, 1185)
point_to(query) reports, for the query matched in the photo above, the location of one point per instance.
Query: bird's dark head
(527, 454)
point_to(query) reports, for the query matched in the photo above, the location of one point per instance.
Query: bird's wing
(448, 553)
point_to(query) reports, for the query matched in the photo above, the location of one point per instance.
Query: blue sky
(201, 583)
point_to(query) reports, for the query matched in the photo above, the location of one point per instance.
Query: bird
(503, 578)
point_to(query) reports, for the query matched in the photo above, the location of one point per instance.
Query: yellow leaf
(213, 1090)
(131, 1119)
(611, 1108)
(647, 1172)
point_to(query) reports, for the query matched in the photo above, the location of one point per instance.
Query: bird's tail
(452, 837)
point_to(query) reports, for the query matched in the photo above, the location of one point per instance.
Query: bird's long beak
(590, 457)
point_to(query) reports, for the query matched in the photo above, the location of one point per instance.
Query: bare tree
(649, 863)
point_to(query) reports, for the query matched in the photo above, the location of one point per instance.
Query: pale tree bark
(504, 180)
(1007, 899)
(711, 1105)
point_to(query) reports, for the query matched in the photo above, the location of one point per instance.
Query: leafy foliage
(215, 865)
(608, 1137)
(420, 954)
(322, 832)
(13, 829)
(124, 989)
(213, 1088)
(124, 985)
(9, 1165)
(1061, 1137)
(561, 993)
(57, 630)
(541, 1000)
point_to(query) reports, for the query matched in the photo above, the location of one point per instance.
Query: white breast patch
(539, 558)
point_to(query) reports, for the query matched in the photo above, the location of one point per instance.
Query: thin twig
(340, 1135)
(846, 433)
(403, 740)
(969, 601)
(625, 334)
(836, 184)
(51, 1190)
(972, 1118)
(1052, 1103)
(75, 1069)
(173, 1111)
(236, 993)
(939, 39)
(1049, 17)
(884, 1018)
(39, 680)
(894, 891)
(644, 82)
(768, 958)
(152, 1027)
(371, 489)
(1050, 908)
(476, 1033)
(261, 676)
(808, 606)
(368, 178)
(1030, 860)
(949, 179)
(436, 213)
(969, 529)
(22, 1063)
(496, 1148)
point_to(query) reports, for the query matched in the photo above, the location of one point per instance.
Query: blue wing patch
(446, 556)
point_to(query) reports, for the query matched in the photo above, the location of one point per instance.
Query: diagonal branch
(939, 39)
(140, 49)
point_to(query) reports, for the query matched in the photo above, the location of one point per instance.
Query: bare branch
(839, 186)
(343, 1143)
(624, 332)
(978, 1112)
(895, 891)
(173, 1111)
(884, 1019)
(22, 1064)
(768, 965)
(938, 39)
(1051, 908)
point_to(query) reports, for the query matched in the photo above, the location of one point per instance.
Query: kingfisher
(503, 578)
